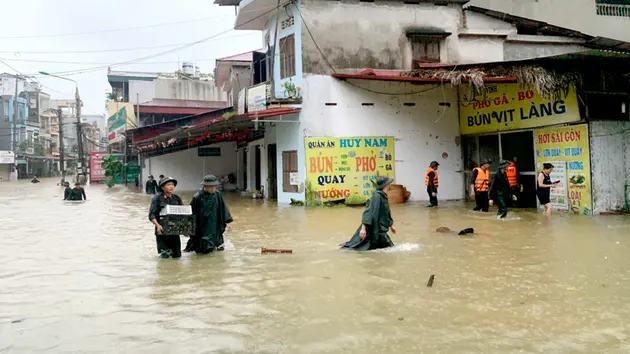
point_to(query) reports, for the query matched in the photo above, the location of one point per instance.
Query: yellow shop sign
(510, 107)
(342, 168)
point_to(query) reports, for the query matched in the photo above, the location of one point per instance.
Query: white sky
(39, 18)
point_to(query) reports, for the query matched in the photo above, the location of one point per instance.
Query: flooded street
(84, 278)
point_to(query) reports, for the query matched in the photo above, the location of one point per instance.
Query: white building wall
(189, 169)
(141, 91)
(188, 90)
(422, 132)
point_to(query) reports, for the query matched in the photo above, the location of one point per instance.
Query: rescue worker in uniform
(512, 176)
(212, 218)
(151, 187)
(432, 183)
(167, 245)
(77, 193)
(500, 190)
(67, 190)
(480, 185)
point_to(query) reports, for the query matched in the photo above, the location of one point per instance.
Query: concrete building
(606, 18)
(349, 93)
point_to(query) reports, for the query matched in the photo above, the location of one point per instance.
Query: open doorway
(257, 177)
(519, 148)
(272, 171)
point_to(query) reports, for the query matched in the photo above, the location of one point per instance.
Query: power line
(110, 50)
(87, 70)
(112, 30)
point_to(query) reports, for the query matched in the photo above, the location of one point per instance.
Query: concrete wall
(296, 29)
(189, 169)
(141, 91)
(579, 15)
(188, 90)
(523, 51)
(354, 35)
(610, 165)
(422, 132)
(7, 85)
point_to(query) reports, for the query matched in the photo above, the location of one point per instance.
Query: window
(424, 50)
(287, 56)
(289, 165)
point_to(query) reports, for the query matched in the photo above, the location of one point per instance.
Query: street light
(79, 135)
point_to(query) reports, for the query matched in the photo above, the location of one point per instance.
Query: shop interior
(505, 146)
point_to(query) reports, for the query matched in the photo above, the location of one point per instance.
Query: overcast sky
(40, 20)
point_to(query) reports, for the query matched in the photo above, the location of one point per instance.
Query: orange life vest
(436, 183)
(511, 174)
(482, 182)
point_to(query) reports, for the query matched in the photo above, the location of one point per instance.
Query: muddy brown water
(84, 278)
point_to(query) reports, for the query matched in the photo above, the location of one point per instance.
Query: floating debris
(275, 250)
(431, 279)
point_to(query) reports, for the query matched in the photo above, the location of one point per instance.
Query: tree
(113, 167)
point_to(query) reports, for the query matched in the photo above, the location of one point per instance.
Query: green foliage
(311, 196)
(356, 200)
(113, 167)
(229, 115)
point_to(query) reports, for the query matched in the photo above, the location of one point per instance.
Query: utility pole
(62, 162)
(82, 168)
(15, 116)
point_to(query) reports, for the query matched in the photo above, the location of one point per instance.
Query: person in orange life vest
(480, 185)
(432, 183)
(512, 176)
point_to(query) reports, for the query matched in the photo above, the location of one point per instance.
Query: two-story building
(343, 64)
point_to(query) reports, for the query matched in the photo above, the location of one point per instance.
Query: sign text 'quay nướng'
(506, 107)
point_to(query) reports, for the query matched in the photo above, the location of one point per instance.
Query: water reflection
(85, 278)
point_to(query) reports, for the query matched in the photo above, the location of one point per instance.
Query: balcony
(617, 10)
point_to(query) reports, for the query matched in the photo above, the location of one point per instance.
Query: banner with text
(567, 146)
(510, 107)
(340, 168)
(97, 173)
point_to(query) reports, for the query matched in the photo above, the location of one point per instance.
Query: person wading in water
(376, 221)
(67, 190)
(151, 187)
(167, 245)
(500, 190)
(544, 188)
(77, 193)
(480, 185)
(432, 183)
(212, 218)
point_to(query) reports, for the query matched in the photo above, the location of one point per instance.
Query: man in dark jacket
(167, 245)
(376, 221)
(67, 190)
(77, 193)
(151, 187)
(212, 218)
(500, 190)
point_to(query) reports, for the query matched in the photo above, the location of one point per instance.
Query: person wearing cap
(480, 184)
(500, 190)
(212, 218)
(376, 221)
(67, 190)
(76, 193)
(151, 187)
(432, 183)
(543, 190)
(35, 180)
(167, 245)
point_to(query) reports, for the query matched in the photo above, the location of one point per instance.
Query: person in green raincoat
(212, 218)
(167, 245)
(376, 221)
(500, 190)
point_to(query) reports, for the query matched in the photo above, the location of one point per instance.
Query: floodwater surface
(84, 278)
